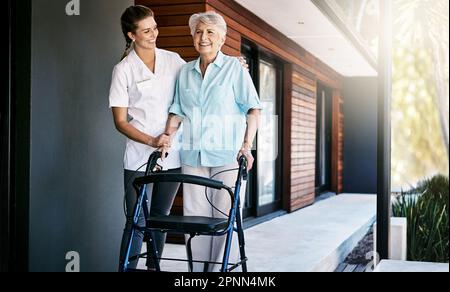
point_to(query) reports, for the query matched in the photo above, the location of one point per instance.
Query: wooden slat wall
(337, 141)
(287, 136)
(340, 157)
(172, 18)
(303, 138)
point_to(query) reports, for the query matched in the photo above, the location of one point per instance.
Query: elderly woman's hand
(162, 140)
(248, 154)
(163, 143)
(163, 151)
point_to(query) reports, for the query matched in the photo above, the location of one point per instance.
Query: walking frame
(191, 225)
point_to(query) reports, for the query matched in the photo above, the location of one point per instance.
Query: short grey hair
(210, 18)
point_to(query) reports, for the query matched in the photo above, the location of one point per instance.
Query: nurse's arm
(120, 115)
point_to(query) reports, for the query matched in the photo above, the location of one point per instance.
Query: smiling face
(146, 33)
(208, 39)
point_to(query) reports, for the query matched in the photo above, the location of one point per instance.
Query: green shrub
(426, 210)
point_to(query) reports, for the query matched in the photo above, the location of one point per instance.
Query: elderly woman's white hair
(210, 18)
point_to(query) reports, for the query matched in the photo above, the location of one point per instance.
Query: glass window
(268, 134)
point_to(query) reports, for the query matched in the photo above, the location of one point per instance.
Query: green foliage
(426, 210)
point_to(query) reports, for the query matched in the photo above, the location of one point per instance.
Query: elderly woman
(218, 104)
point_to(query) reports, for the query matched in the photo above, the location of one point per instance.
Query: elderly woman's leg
(221, 201)
(195, 204)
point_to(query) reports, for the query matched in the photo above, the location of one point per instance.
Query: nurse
(141, 93)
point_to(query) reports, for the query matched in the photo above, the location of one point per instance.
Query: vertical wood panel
(303, 138)
(287, 138)
(337, 142)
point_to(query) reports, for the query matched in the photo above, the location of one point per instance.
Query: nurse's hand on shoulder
(243, 62)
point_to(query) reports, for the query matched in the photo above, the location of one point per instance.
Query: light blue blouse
(214, 110)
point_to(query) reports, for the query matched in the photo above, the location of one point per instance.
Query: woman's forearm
(134, 134)
(128, 130)
(173, 124)
(253, 122)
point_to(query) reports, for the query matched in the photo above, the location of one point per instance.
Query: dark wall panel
(360, 128)
(76, 154)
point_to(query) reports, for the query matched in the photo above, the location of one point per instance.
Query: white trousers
(211, 248)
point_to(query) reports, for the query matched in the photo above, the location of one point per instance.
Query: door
(263, 192)
(323, 139)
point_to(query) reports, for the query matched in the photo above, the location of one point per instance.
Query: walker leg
(123, 266)
(226, 254)
(154, 251)
(189, 253)
(151, 244)
(241, 242)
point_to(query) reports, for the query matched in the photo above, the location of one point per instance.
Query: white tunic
(147, 96)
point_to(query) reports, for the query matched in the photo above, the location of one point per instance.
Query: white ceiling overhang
(305, 24)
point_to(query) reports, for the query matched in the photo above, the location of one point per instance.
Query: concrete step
(389, 266)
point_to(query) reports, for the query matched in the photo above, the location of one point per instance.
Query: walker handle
(153, 161)
(243, 167)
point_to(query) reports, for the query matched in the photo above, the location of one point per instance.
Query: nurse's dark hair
(129, 20)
